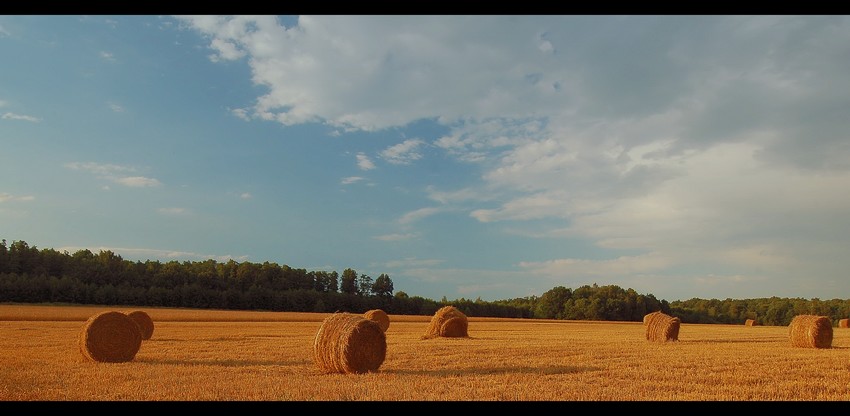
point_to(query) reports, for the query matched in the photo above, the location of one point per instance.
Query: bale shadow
(728, 341)
(554, 370)
(221, 363)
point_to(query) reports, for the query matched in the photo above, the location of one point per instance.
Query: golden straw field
(227, 355)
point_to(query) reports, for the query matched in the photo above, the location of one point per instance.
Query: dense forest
(30, 275)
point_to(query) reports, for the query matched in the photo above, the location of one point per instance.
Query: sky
(490, 157)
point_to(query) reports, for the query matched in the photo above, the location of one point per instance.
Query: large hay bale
(347, 343)
(455, 328)
(380, 317)
(648, 316)
(110, 337)
(144, 322)
(661, 327)
(750, 322)
(844, 323)
(810, 331)
(440, 317)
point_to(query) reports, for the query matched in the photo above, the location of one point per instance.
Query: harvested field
(196, 356)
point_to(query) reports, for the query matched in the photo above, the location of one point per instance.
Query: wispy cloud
(7, 197)
(137, 181)
(246, 195)
(4, 32)
(154, 254)
(107, 56)
(114, 173)
(403, 153)
(351, 179)
(241, 113)
(3, 103)
(418, 214)
(412, 262)
(172, 211)
(363, 162)
(22, 117)
(396, 237)
(115, 107)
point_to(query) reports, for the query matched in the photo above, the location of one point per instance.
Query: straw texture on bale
(144, 322)
(454, 328)
(110, 337)
(380, 317)
(844, 323)
(810, 331)
(661, 327)
(347, 343)
(648, 316)
(444, 314)
(750, 322)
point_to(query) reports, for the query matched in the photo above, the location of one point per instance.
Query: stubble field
(227, 355)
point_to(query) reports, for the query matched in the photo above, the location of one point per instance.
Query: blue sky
(464, 156)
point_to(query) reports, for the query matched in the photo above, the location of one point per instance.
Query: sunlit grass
(224, 355)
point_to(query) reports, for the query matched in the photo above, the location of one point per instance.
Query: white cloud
(98, 168)
(398, 69)
(241, 113)
(115, 107)
(351, 179)
(7, 197)
(22, 117)
(708, 164)
(114, 173)
(396, 237)
(3, 103)
(172, 211)
(418, 214)
(363, 162)
(246, 195)
(621, 266)
(137, 181)
(403, 153)
(4, 32)
(460, 195)
(107, 56)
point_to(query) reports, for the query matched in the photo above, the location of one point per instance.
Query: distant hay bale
(810, 331)
(454, 328)
(751, 322)
(844, 323)
(380, 317)
(347, 343)
(110, 337)
(457, 329)
(661, 327)
(648, 316)
(144, 322)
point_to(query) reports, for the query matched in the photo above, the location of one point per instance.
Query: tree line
(30, 275)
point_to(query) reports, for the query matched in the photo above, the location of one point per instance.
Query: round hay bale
(810, 331)
(380, 317)
(454, 328)
(751, 322)
(661, 327)
(440, 317)
(110, 337)
(144, 322)
(844, 323)
(347, 343)
(648, 316)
